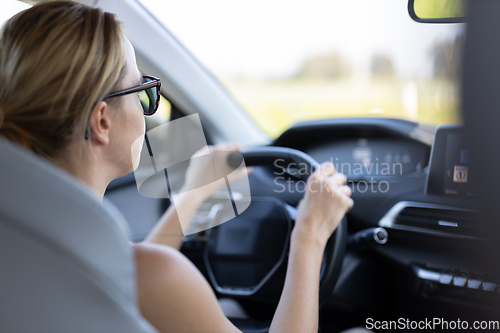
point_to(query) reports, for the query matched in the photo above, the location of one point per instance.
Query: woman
(65, 76)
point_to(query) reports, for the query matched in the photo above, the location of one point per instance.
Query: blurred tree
(325, 66)
(381, 66)
(448, 58)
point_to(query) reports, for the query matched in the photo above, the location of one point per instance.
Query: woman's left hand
(204, 170)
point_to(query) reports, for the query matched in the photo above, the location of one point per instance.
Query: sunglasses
(149, 95)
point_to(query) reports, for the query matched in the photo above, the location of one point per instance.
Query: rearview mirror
(437, 11)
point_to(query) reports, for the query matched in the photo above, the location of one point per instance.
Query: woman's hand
(201, 175)
(204, 169)
(326, 201)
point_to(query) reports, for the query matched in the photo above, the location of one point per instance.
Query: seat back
(66, 264)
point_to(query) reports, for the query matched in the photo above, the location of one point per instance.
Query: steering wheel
(220, 241)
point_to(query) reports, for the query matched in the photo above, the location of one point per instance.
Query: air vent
(435, 219)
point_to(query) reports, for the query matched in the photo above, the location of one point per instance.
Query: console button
(489, 286)
(459, 281)
(445, 278)
(473, 283)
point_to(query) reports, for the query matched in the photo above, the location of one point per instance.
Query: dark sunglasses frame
(155, 82)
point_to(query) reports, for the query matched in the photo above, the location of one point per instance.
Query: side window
(161, 116)
(166, 112)
(11, 8)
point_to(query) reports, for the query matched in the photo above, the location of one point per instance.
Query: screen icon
(460, 174)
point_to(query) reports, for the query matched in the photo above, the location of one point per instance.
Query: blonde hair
(58, 59)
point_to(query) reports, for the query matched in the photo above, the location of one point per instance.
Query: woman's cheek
(136, 150)
(138, 131)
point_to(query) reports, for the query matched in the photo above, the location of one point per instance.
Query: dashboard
(361, 147)
(428, 207)
(436, 240)
(376, 156)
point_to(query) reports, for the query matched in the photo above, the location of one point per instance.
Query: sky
(271, 38)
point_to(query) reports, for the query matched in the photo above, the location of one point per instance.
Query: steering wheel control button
(445, 278)
(489, 286)
(473, 284)
(459, 281)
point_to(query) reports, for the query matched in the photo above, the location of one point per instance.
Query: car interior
(420, 242)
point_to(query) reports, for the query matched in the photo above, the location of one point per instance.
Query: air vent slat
(466, 217)
(416, 220)
(453, 222)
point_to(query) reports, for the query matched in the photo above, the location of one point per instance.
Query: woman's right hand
(326, 201)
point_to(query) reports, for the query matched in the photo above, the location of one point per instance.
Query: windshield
(288, 61)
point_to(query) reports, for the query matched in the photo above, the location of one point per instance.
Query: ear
(100, 122)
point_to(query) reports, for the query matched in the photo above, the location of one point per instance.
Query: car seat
(66, 262)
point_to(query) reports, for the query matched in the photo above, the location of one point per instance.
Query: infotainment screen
(450, 169)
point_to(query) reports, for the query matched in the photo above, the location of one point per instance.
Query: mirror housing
(438, 11)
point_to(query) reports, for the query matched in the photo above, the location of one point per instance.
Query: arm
(168, 230)
(320, 212)
(298, 307)
(175, 297)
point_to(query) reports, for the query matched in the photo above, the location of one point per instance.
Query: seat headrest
(48, 205)
(49, 202)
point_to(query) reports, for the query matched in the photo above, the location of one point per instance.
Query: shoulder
(147, 254)
(163, 265)
(173, 294)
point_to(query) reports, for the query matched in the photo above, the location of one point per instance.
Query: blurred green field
(276, 105)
